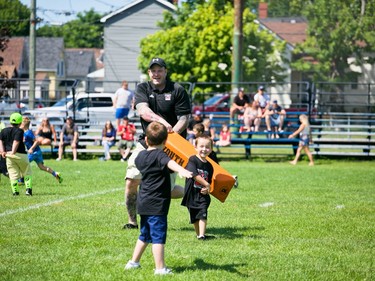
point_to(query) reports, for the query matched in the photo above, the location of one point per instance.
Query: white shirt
(123, 98)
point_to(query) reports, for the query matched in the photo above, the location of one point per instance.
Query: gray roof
(49, 52)
(79, 63)
(134, 3)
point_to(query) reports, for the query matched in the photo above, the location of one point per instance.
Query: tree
(15, 17)
(84, 32)
(198, 47)
(338, 30)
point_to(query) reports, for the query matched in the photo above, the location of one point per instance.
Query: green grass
(283, 222)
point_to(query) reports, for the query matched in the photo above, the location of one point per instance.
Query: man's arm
(146, 113)
(182, 123)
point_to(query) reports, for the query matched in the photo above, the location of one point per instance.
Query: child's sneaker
(132, 265)
(163, 271)
(59, 178)
(29, 192)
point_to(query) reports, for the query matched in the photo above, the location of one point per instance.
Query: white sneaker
(132, 265)
(163, 271)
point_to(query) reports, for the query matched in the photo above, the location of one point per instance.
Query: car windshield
(212, 100)
(62, 102)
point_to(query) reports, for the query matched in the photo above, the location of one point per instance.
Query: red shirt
(128, 133)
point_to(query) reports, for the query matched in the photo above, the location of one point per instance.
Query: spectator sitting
(252, 117)
(108, 139)
(263, 99)
(275, 116)
(68, 136)
(197, 118)
(224, 139)
(240, 102)
(45, 133)
(127, 131)
(208, 129)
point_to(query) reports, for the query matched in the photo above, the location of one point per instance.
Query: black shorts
(197, 214)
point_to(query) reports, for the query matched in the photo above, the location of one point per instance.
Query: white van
(90, 107)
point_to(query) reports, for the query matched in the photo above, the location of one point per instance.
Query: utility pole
(32, 54)
(237, 44)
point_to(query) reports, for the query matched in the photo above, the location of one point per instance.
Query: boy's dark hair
(156, 133)
(199, 127)
(204, 136)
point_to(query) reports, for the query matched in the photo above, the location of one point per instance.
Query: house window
(60, 69)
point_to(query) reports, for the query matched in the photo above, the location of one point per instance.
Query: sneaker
(16, 193)
(132, 265)
(130, 226)
(163, 271)
(59, 178)
(29, 192)
(205, 237)
(122, 160)
(58, 159)
(235, 181)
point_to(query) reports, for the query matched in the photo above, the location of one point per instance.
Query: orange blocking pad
(180, 150)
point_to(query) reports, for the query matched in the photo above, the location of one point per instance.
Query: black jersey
(154, 196)
(10, 134)
(169, 103)
(193, 197)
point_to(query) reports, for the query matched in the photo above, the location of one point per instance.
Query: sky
(62, 11)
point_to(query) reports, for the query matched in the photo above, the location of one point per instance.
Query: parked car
(92, 107)
(219, 102)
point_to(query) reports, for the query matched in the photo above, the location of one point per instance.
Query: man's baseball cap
(158, 61)
(261, 88)
(275, 101)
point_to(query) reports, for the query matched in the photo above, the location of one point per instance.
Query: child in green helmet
(13, 149)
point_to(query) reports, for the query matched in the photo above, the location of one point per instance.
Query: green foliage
(15, 17)
(283, 222)
(337, 31)
(84, 32)
(199, 48)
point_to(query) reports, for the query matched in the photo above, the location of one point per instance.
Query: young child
(154, 197)
(197, 189)
(34, 151)
(224, 139)
(304, 131)
(13, 149)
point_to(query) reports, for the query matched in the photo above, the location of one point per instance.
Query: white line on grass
(49, 203)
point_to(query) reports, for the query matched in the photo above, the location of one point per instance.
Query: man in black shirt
(163, 101)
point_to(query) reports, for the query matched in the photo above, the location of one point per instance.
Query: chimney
(263, 10)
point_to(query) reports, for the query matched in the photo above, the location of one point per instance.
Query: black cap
(157, 61)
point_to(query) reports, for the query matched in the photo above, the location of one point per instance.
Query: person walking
(122, 102)
(166, 102)
(13, 149)
(304, 135)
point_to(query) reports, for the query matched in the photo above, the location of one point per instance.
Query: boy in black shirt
(154, 196)
(13, 149)
(197, 189)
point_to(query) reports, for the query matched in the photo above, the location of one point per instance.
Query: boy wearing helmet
(13, 149)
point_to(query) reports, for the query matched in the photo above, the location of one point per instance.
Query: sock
(28, 182)
(14, 185)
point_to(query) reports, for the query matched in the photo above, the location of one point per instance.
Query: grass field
(283, 222)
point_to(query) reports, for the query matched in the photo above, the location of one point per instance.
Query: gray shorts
(133, 173)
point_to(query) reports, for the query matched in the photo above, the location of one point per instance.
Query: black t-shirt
(193, 198)
(154, 195)
(169, 103)
(8, 135)
(241, 102)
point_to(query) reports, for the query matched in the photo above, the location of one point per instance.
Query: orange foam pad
(180, 150)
